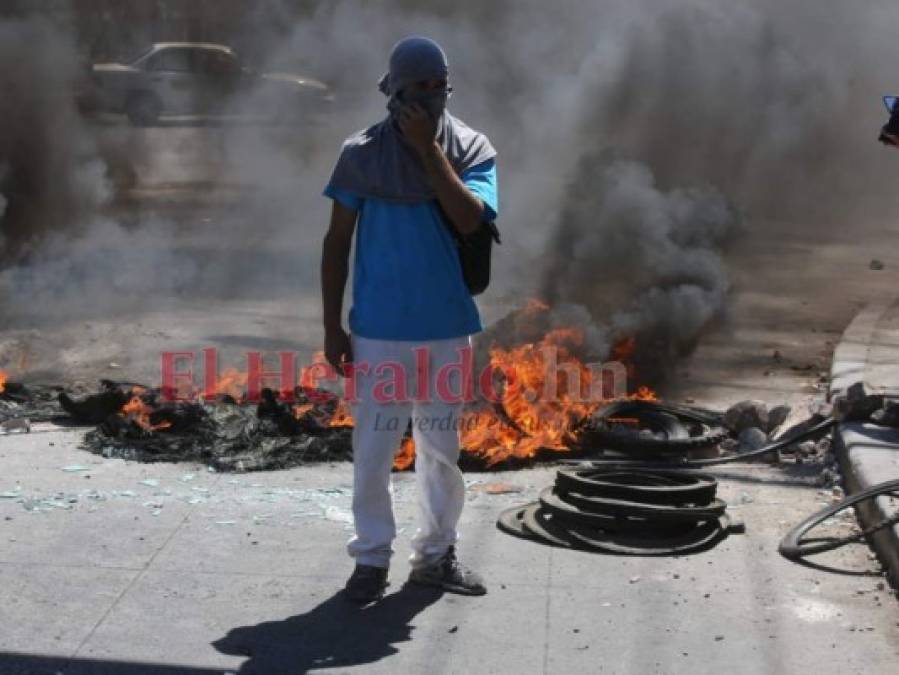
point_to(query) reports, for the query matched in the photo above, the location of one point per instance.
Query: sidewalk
(869, 454)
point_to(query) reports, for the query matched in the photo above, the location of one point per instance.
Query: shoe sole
(449, 588)
(364, 600)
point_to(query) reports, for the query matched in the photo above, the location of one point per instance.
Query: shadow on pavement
(336, 634)
(832, 569)
(32, 664)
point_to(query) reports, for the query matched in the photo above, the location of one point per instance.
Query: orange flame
(533, 414)
(534, 419)
(139, 413)
(310, 376)
(301, 410)
(406, 455)
(342, 416)
(232, 383)
(3, 378)
(644, 394)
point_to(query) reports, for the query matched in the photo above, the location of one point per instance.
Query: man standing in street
(402, 184)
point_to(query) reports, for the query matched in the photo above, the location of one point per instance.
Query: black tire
(699, 538)
(597, 512)
(647, 487)
(672, 422)
(544, 528)
(793, 548)
(511, 521)
(143, 108)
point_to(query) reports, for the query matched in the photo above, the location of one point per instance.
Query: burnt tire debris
(796, 545)
(624, 512)
(32, 403)
(664, 430)
(818, 429)
(223, 433)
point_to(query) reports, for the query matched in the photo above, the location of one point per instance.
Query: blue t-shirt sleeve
(349, 199)
(481, 180)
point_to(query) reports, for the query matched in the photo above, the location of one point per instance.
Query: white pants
(377, 434)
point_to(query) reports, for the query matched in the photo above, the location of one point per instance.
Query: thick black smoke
(51, 178)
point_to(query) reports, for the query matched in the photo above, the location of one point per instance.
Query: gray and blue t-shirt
(407, 279)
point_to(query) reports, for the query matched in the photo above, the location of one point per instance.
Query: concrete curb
(868, 454)
(850, 358)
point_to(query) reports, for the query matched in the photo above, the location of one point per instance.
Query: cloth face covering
(377, 163)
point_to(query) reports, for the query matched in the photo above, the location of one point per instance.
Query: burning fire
(232, 383)
(531, 414)
(139, 412)
(406, 455)
(534, 423)
(524, 422)
(342, 416)
(521, 424)
(3, 378)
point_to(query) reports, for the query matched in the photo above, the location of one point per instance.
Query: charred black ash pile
(21, 405)
(139, 423)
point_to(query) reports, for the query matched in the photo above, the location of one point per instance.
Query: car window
(219, 63)
(173, 60)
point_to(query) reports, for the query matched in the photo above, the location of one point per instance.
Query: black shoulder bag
(474, 254)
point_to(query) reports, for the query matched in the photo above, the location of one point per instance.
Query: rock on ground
(745, 415)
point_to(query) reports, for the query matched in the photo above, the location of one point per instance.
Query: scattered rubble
(16, 425)
(777, 416)
(34, 403)
(745, 415)
(751, 438)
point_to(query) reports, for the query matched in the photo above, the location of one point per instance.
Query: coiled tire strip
(594, 511)
(666, 513)
(793, 548)
(511, 521)
(532, 522)
(649, 487)
(696, 539)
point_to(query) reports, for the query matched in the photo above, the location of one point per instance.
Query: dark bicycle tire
(793, 548)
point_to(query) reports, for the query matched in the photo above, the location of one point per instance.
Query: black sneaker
(366, 583)
(450, 575)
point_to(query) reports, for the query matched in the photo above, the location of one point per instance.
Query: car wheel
(143, 109)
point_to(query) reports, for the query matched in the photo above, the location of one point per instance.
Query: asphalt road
(100, 582)
(106, 564)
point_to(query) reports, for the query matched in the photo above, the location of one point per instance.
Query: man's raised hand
(418, 127)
